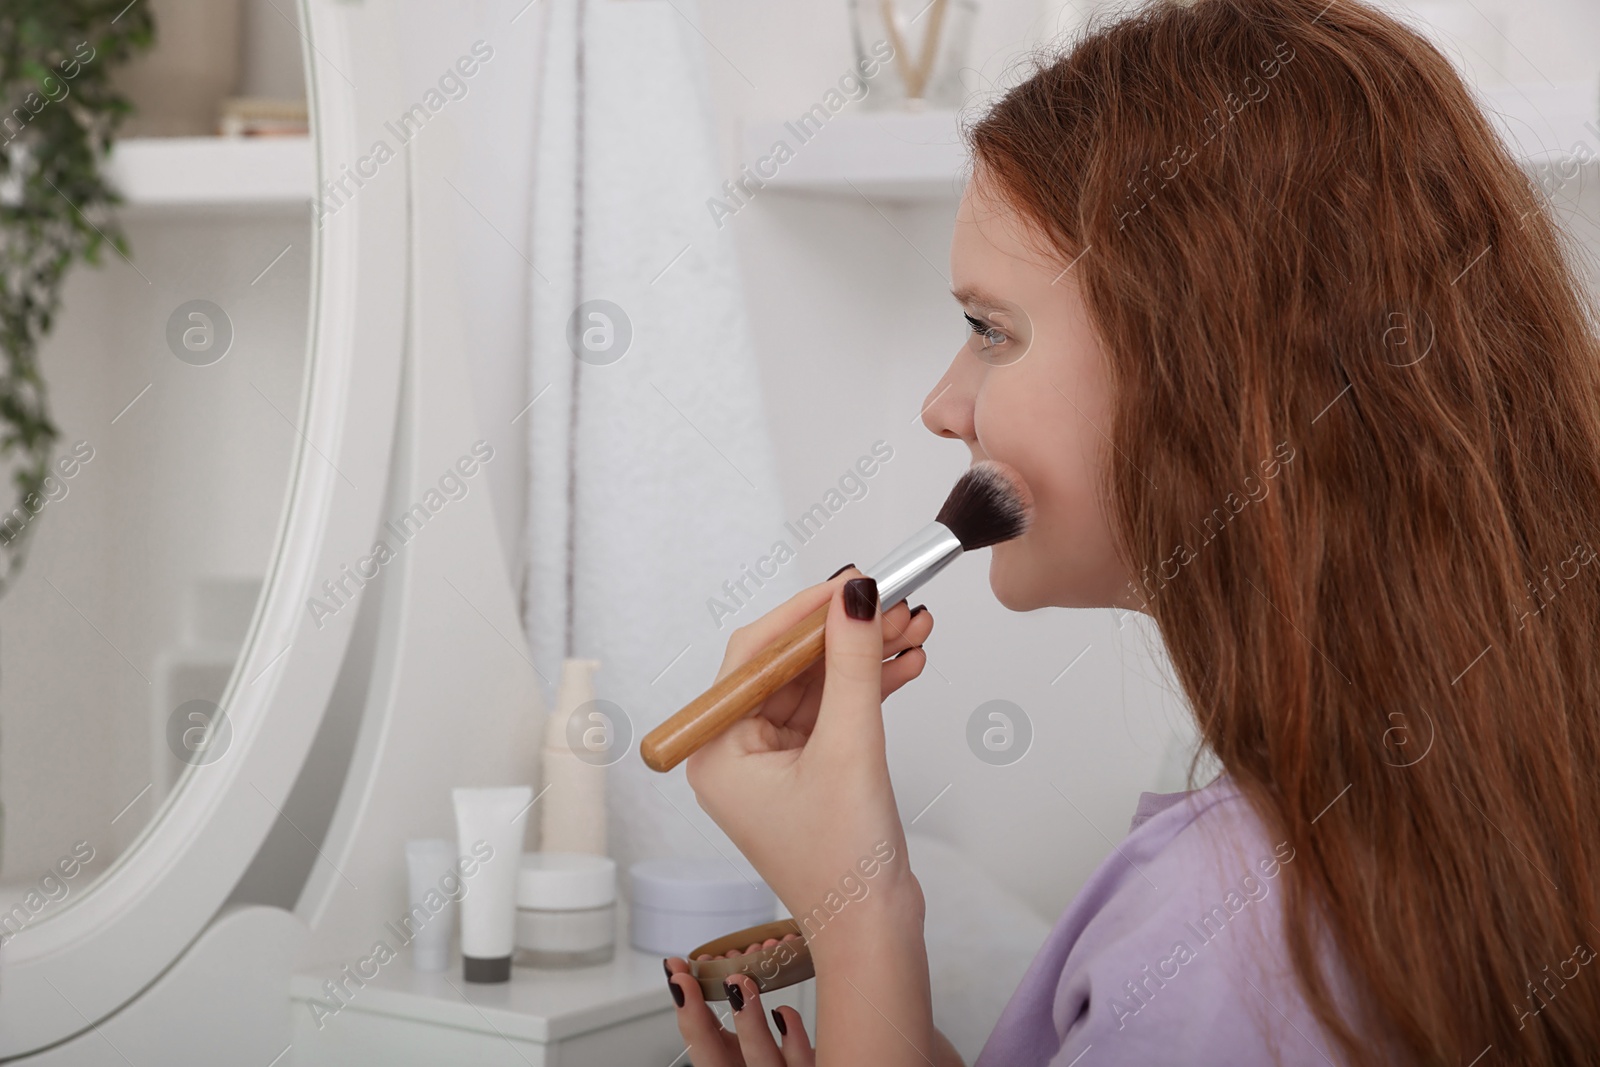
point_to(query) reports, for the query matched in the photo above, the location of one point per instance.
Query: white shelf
(213, 171)
(548, 1014)
(920, 156)
(535, 1005)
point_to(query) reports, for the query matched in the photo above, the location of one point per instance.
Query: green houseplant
(60, 113)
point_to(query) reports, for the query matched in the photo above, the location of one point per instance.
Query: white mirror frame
(71, 969)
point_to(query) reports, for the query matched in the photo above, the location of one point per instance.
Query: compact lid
(701, 886)
(566, 881)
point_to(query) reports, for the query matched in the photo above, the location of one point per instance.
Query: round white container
(680, 903)
(566, 909)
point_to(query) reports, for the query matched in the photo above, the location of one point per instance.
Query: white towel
(676, 485)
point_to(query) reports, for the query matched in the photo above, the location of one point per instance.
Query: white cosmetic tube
(431, 869)
(489, 910)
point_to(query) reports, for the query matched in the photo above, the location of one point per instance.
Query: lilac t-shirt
(1171, 954)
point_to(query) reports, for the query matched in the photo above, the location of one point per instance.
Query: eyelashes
(991, 336)
(994, 344)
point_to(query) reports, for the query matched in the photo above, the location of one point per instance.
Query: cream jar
(679, 903)
(566, 909)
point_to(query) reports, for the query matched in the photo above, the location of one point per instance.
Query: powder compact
(785, 964)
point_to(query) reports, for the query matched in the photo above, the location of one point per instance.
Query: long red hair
(1300, 237)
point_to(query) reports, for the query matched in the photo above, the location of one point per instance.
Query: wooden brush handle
(736, 694)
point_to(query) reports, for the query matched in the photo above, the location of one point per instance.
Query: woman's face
(1032, 391)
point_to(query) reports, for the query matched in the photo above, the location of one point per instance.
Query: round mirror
(174, 374)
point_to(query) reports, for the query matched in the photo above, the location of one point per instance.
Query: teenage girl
(1294, 360)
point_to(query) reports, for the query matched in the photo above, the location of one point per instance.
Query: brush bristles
(991, 503)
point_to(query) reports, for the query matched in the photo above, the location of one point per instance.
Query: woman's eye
(989, 337)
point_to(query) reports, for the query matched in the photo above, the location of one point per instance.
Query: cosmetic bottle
(432, 873)
(566, 910)
(572, 809)
(489, 829)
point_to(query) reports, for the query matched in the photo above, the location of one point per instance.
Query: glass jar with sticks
(926, 41)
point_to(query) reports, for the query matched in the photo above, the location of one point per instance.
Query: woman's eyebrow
(971, 294)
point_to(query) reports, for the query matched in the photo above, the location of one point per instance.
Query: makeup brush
(989, 504)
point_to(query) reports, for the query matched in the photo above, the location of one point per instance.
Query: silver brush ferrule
(921, 556)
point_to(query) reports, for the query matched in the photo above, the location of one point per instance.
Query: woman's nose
(948, 409)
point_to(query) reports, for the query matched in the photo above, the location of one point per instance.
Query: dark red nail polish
(735, 996)
(777, 1020)
(664, 967)
(918, 610)
(861, 598)
(840, 571)
(677, 994)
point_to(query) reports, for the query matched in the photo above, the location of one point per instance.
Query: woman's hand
(751, 1042)
(802, 786)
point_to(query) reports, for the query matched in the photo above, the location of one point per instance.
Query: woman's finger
(902, 668)
(750, 1022)
(850, 716)
(903, 630)
(751, 638)
(708, 1043)
(796, 705)
(796, 1046)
